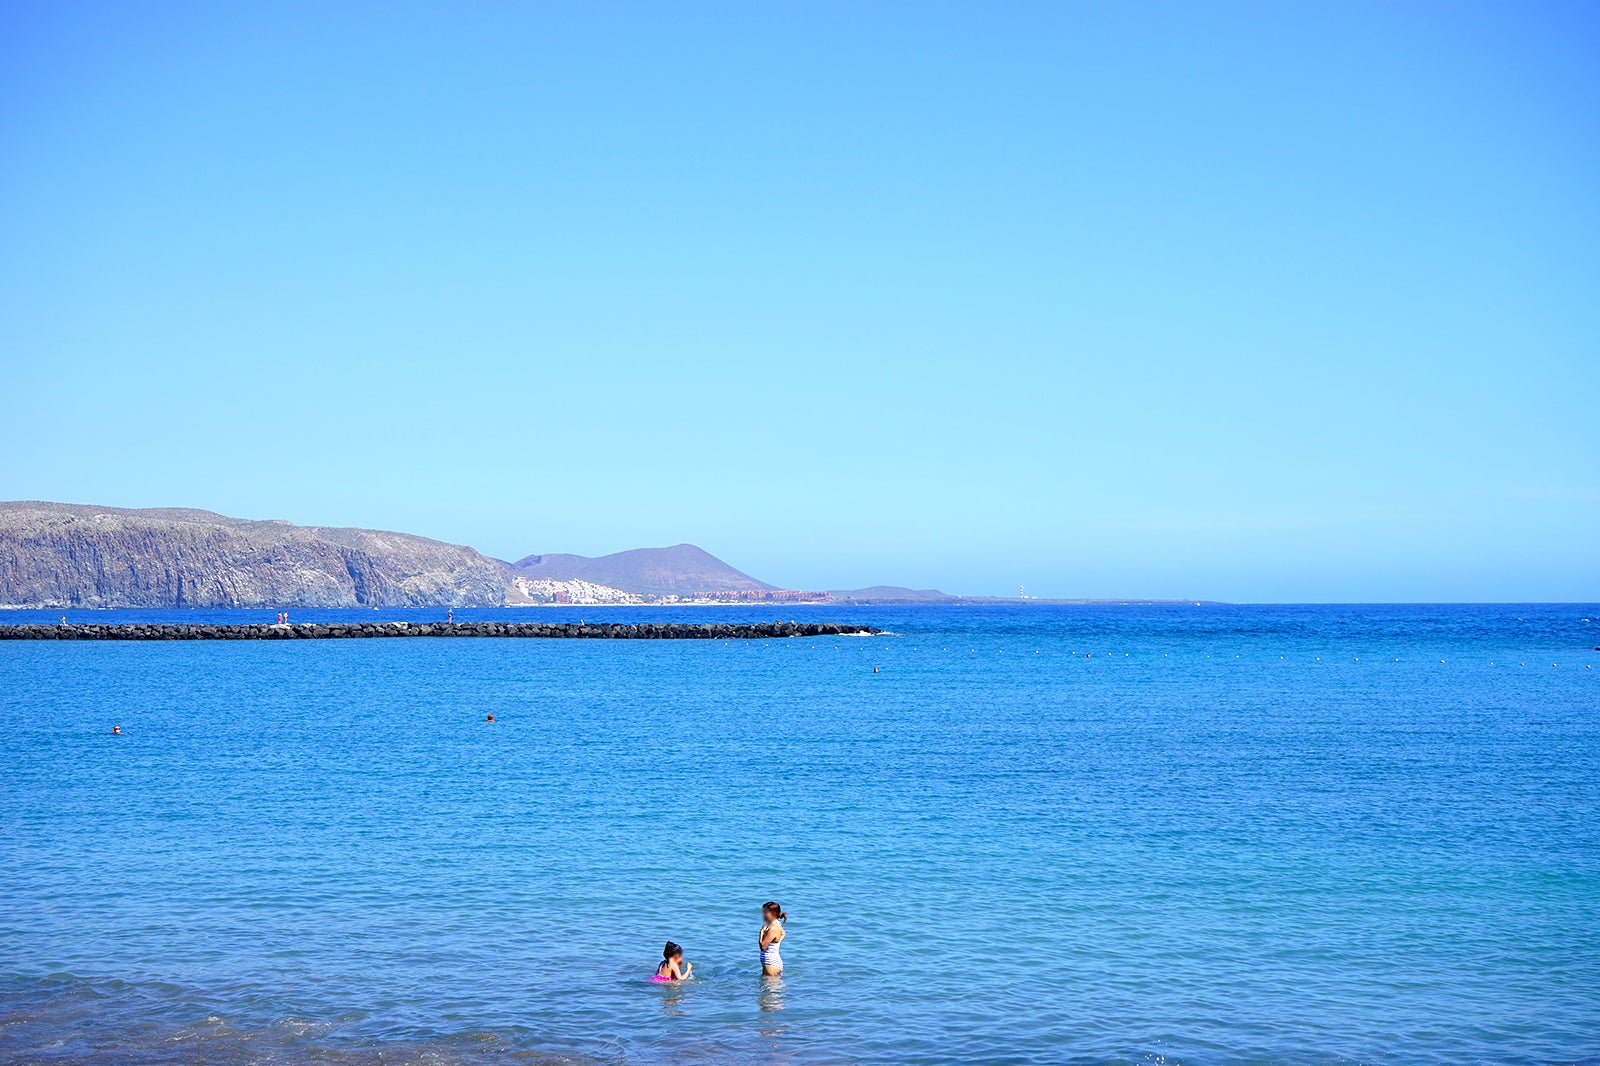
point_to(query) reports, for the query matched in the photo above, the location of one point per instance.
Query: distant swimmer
(491, 718)
(672, 967)
(63, 619)
(116, 730)
(772, 934)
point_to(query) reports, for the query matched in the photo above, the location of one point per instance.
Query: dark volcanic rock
(348, 630)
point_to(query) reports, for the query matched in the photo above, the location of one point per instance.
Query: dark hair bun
(670, 950)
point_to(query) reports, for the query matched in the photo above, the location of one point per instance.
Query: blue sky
(1236, 301)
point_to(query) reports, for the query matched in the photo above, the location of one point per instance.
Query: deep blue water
(1039, 834)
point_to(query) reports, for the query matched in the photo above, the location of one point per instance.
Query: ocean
(1177, 834)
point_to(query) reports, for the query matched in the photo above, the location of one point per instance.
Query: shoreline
(952, 601)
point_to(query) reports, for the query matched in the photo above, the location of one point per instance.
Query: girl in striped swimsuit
(772, 919)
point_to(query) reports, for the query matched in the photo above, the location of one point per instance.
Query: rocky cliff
(68, 555)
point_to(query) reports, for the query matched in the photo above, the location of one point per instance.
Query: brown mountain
(682, 570)
(69, 555)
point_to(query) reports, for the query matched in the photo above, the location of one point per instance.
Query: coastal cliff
(69, 555)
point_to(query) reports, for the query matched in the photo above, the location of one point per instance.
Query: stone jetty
(347, 630)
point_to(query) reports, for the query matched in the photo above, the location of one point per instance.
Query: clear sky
(1277, 301)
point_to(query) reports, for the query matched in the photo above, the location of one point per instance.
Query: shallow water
(1038, 834)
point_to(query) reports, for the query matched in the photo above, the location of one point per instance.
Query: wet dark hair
(773, 907)
(670, 950)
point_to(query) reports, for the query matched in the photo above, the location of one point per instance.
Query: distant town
(535, 592)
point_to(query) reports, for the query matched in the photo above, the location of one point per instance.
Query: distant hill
(683, 570)
(71, 555)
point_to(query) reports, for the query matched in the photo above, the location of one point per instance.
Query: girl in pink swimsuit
(672, 967)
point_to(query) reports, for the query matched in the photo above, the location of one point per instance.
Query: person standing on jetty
(772, 919)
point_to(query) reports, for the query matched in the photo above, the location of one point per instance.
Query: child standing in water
(672, 967)
(772, 919)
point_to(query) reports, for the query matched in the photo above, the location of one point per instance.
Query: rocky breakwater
(347, 630)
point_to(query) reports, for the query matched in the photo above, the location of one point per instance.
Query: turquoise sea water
(1163, 834)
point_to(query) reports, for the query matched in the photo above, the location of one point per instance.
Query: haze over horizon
(1254, 303)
